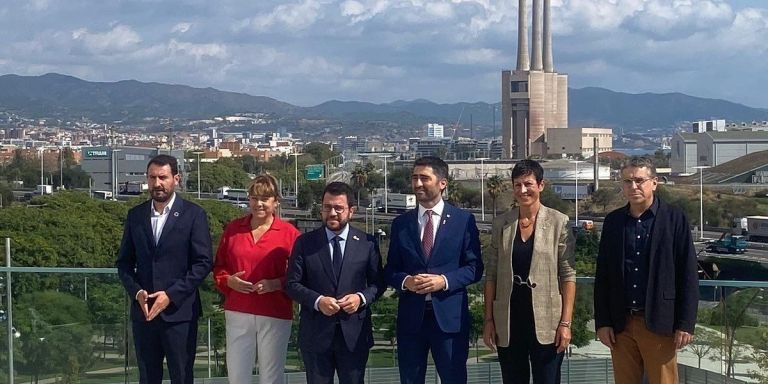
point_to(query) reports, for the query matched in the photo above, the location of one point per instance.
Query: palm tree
(496, 187)
(453, 193)
(359, 178)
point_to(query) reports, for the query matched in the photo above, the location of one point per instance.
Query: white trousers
(251, 337)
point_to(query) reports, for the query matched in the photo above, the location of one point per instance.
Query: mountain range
(67, 97)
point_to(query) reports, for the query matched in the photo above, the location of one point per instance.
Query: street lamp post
(296, 178)
(482, 187)
(115, 175)
(198, 153)
(576, 162)
(701, 199)
(42, 178)
(385, 157)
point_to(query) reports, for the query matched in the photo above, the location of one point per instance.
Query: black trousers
(157, 340)
(524, 355)
(348, 365)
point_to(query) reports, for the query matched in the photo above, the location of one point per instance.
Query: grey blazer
(552, 263)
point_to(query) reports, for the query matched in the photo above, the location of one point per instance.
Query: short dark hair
(439, 167)
(528, 167)
(338, 188)
(639, 162)
(163, 160)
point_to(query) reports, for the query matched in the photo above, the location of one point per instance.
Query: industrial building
(111, 167)
(713, 148)
(534, 97)
(578, 142)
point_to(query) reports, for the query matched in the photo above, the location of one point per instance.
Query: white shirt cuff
(137, 294)
(402, 285)
(446, 282)
(362, 299)
(318, 301)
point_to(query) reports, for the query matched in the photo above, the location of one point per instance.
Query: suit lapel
(541, 230)
(325, 254)
(173, 217)
(659, 227)
(147, 223)
(413, 233)
(352, 249)
(507, 237)
(442, 229)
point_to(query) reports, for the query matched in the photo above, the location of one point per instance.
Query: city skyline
(309, 51)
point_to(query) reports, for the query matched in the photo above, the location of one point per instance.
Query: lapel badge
(355, 237)
(175, 214)
(443, 221)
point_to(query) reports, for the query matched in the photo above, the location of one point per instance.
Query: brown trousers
(638, 350)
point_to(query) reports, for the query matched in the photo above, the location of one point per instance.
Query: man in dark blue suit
(434, 254)
(335, 274)
(164, 256)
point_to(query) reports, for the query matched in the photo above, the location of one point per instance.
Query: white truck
(757, 228)
(43, 189)
(397, 202)
(235, 194)
(133, 188)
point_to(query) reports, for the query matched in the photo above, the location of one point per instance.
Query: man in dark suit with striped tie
(335, 274)
(434, 254)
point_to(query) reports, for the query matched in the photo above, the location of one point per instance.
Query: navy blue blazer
(456, 254)
(672, 295)
(178, 264)
(310, 275)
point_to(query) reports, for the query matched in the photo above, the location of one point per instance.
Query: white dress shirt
(159, 218)
(437, 214)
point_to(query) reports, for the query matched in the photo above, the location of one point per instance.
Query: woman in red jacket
(250, 271)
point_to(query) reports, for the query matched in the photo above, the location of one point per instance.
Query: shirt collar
(652, 209)
(343, 235)
(167, 206)
(436, 210)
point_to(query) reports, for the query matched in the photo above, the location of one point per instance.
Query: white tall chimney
(523, 60)
(548, 62)
(536, 50)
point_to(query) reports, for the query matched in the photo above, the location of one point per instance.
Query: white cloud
(181, 28)
(119, 39)
(289, 16)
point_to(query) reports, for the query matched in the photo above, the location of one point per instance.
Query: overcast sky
(309, 51)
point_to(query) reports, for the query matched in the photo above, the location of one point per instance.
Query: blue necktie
(337, 257)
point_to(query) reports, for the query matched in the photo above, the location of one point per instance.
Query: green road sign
(315, 171)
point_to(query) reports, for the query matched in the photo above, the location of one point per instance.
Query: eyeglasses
(335, 208)
(519, 281)
(636, 181)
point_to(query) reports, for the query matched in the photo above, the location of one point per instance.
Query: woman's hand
(267, 285)
(562, 338)
(489, 335)
(240, 285)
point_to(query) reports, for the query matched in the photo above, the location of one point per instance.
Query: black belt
(635, 311)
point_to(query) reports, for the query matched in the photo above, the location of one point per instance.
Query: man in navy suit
(434, 254)
(164, 256)
(335, 274)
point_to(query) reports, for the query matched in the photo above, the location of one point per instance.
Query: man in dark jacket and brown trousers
(646, 283)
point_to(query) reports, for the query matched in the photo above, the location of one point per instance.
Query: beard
(336, 224)
(161, 195)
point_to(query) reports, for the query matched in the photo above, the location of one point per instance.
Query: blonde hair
(264, 185)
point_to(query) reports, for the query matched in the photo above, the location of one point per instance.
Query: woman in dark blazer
(530, 284)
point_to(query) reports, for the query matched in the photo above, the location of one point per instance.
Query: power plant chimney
(523, 60)
(536, 50)
(596, 164)
(548, 62)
